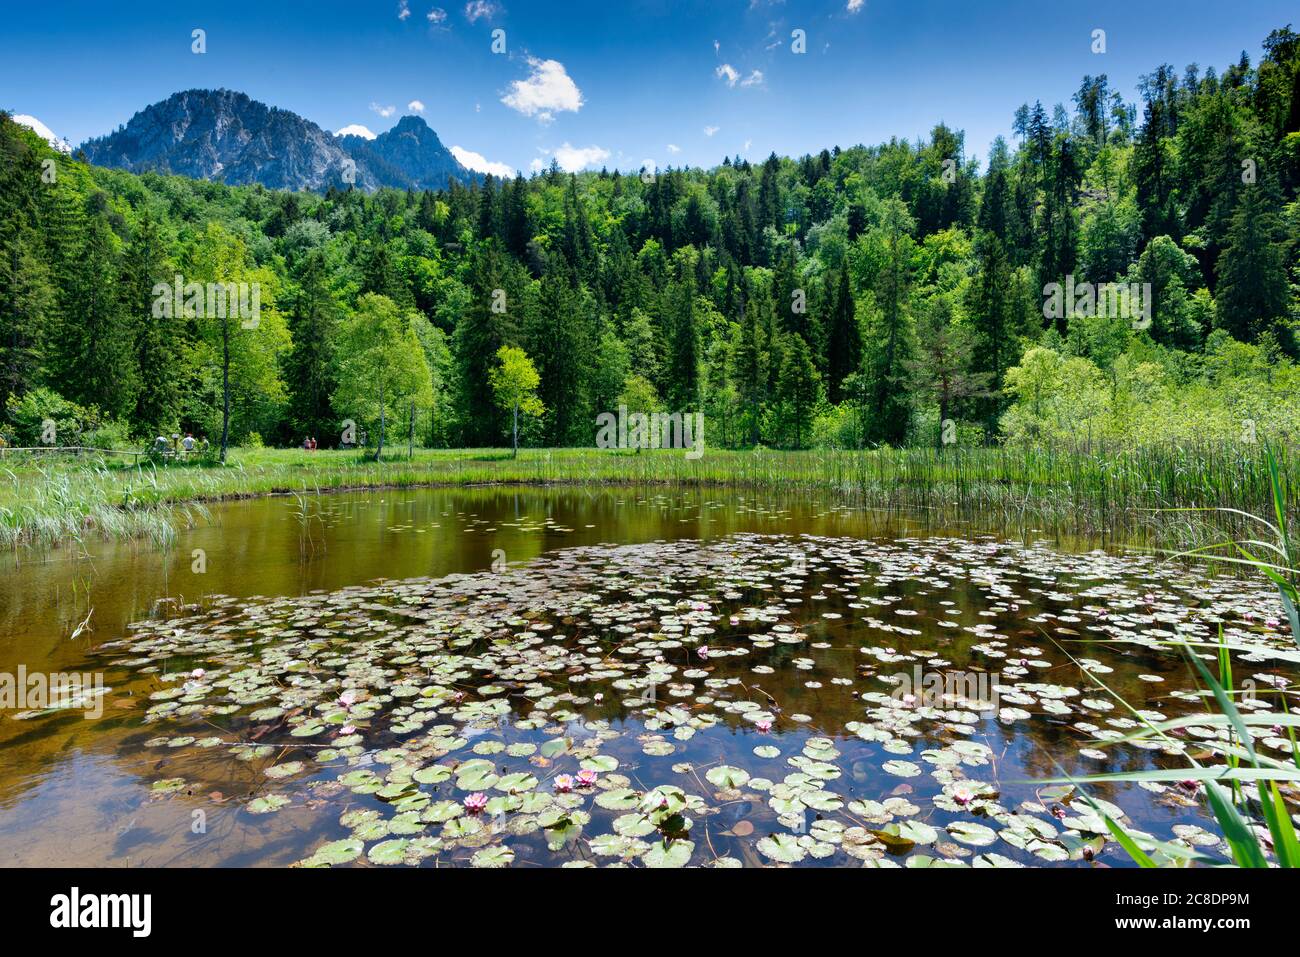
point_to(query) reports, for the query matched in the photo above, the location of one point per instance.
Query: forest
(899, 294)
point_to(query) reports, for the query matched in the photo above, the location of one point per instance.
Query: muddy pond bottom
(755, 700)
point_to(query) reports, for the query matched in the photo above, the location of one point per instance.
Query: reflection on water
(755, 678)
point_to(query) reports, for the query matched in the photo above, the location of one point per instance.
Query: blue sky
(616, 82)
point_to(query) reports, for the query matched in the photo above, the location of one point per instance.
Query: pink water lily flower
(703, 651)
(763, 724)
(963, 795)
(909, 700)
(564, 783)
(348, 698)
(347, 729)
(476, 802)
(586, 778)
(598, 697)
(197, 673)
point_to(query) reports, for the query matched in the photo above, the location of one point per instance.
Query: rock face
(226, 136)
(408, 155)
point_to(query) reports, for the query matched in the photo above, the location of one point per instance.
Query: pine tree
(159, 339)
(1252, 290)
(992, 318)
(91, 353)
(559, 343)
(309, 368)
(1153, 177)
(798, 387)
(890, 345)
(27, 303)
(843, 338)
(749, 364)
(683, 392)
(485, 327)
(943, 365)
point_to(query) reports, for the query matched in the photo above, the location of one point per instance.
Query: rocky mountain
(227, 136)
(410, 154)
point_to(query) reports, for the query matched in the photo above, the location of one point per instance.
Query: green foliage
(911, 279)
(514, 382)
(382, 371)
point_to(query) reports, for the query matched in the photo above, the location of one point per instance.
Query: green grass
(1162, 497)
(1249, 793)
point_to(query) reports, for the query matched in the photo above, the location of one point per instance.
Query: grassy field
(1145, 496)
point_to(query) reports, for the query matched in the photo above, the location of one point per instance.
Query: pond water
(546, 677)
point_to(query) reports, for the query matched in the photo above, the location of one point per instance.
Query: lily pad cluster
(752, 701)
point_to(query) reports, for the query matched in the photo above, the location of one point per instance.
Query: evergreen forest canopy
(851, 298)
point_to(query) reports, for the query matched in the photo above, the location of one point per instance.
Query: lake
(558, 677)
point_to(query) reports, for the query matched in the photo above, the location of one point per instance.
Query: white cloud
(574, 158)
(856, 5)
(480, 163)
(731, 75)
(436, 15)
(477, 10)
(355, 129)
(43, 131)
(748, 144)
(710, 130)
(415, 106)
(384, 111)
(674, 148)
(548, 90)
(403, 10)
(537, 165)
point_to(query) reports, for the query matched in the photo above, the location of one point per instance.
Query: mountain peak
(226, 135)
(411, 122)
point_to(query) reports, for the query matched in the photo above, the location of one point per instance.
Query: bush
(834, 427)
(43, 417)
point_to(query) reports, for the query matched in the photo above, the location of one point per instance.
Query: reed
(1175, 496)
(1251, 794)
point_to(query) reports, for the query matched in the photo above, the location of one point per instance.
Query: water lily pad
(783, 848)
(669, 854)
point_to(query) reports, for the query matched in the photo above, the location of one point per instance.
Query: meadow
(1169, 497)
